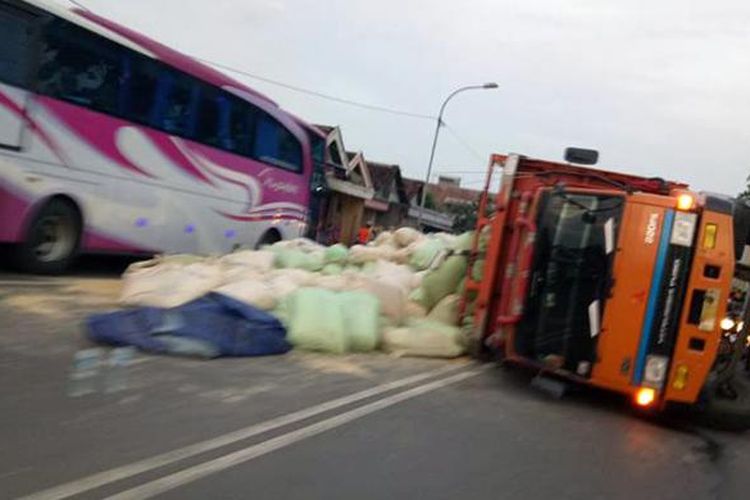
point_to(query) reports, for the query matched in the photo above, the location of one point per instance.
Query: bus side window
(16, 34)
(290, 151)
(274, 144)
(177, 98)
(142, 76)
(224, 131)
(209, 117)
(81, 68)
(241, 127)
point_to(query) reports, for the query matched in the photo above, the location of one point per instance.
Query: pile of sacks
(399, 293)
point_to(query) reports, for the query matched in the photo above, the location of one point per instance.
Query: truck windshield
(576, 237)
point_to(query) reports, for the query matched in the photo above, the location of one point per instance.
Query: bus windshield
(571, 276)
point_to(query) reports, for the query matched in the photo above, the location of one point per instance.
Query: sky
(659, 87)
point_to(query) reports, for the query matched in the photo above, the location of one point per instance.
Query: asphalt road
(312, 426)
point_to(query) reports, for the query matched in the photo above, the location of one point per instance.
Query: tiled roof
(384, 178)
(326, 129)
(412, 187)
(445, 193)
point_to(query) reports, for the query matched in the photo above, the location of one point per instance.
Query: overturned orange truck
(633, 284)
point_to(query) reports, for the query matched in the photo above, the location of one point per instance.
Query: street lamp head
(440, 123)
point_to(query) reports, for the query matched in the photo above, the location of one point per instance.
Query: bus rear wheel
(269, 238)
(52, 239)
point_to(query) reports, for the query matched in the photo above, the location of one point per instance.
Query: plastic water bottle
(117, 369)
(82, 379)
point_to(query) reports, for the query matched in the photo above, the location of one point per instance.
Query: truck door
(16, 56)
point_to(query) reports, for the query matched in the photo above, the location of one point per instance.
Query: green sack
(315, 262)
(332, 270)
(461, 287)
(361, 313)
(336, 254)
(418, 296)
(424, 338)
(464, 242)
(287, 258)
(446, 311)
(443, 281)
(477, 270)
(425, 253)
(316, 322)
(296, 259)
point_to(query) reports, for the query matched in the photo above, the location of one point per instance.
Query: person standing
(364, 234)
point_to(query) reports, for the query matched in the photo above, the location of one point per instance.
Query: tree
(429, 202)
(465, 216)
(746, 193)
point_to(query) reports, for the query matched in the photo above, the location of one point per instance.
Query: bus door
(17, 29)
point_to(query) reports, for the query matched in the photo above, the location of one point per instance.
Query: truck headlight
(656, 371)
(645, 397)
(683, 229)
(727, 324)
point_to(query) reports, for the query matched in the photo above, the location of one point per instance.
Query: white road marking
(22, 470)
(118, 473)
(172, 481)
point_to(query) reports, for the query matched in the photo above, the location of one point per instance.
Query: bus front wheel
(52, 239)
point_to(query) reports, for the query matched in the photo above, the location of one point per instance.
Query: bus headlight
(656, 371)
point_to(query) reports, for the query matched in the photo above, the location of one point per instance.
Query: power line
(463, 143)
(321, 95)
(78, 4)
(296, 88)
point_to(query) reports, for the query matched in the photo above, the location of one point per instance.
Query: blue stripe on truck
(653, 297)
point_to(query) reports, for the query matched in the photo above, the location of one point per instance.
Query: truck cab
(613, 280)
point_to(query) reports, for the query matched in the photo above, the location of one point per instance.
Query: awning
(351, 189)
(377, 205)
(432, 218)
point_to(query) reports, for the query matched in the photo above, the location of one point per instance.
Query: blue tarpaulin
(214, 325)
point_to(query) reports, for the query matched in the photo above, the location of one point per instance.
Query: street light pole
(490, 85)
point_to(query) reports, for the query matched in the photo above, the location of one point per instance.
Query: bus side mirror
(581, 156)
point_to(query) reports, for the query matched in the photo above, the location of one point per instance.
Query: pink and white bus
(112, 142)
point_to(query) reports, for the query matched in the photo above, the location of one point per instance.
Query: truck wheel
(52, 239)
(481, 352)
